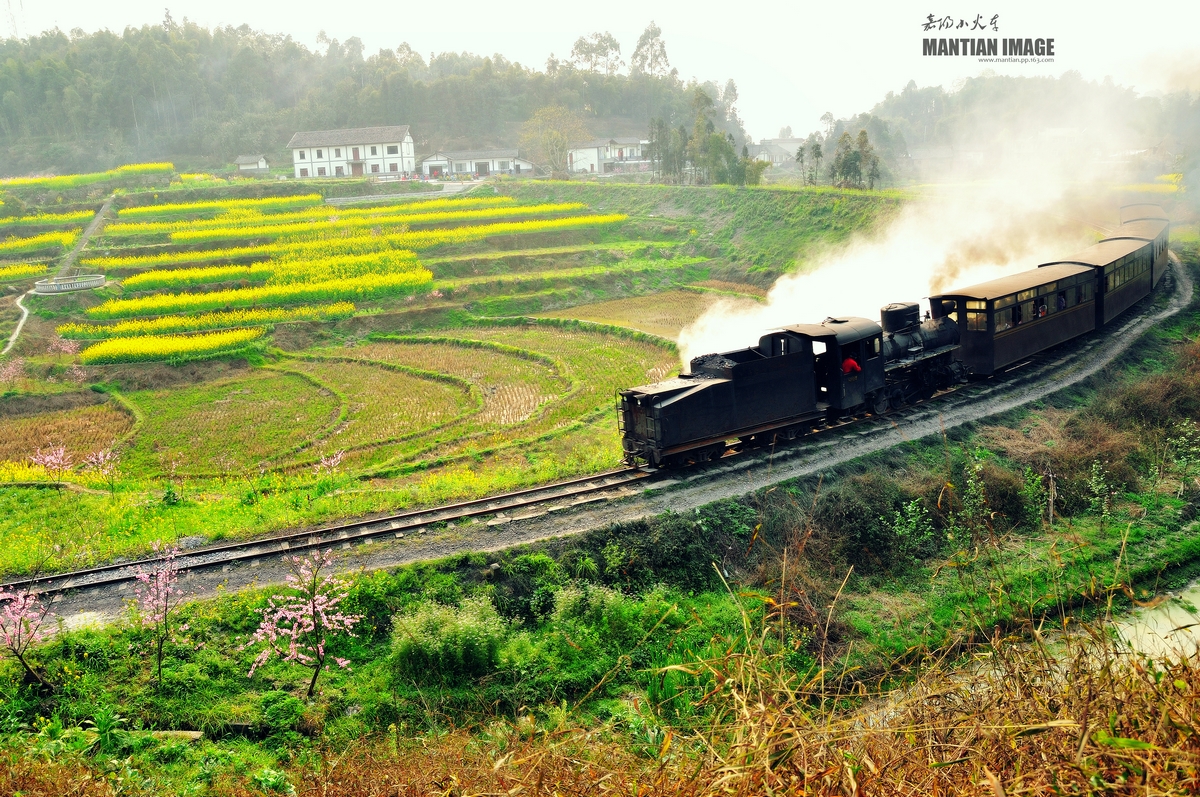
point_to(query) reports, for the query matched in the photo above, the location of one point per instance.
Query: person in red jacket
(850, 366)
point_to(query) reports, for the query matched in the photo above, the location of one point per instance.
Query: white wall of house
(395, 159)
(585, 159)
(469, 164)
(607, 156)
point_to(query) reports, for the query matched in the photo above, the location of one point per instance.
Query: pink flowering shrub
(104, 462)
(297, 627)
(64, 346)
(56, 460)
(12, 370)
(329, 464)
(158, 598)
(22, 625)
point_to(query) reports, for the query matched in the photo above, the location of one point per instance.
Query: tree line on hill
(183, 92)
(991, 116)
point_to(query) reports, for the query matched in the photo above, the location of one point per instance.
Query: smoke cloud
(1018, 199)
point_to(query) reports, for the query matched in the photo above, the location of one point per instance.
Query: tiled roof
(356, 135)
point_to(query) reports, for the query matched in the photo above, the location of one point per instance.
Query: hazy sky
(792, 61)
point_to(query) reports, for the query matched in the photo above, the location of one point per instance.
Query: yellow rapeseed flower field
(33, 243)
(362, 243)
(275, 231)
(205, 321)
(366, 287)
(22, 270)
(315, 269)
(222, 206)
(245, 216)
(152, 348)
(76, 180)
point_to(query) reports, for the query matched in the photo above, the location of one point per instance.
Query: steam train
(794, 380)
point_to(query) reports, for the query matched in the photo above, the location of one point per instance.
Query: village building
(474, 163)
(610, 155)
(384, 152)
(775, 154)
(255, 165)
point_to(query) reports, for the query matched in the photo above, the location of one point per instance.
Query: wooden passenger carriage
(1005, 320)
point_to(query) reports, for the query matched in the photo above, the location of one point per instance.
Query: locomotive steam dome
(899, 315)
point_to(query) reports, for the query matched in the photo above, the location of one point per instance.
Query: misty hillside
(923, 131)
(82, 102)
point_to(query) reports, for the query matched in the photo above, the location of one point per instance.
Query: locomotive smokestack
(898, 316)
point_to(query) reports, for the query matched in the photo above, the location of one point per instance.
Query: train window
(1004, 319)
(1004, 301)
(873, 349)
(977, 322)
(818, 347)
(975, 305)
(1060, 301)
(1026, 295)
(1048, 288)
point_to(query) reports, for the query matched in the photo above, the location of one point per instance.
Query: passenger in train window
(1062, 300)
(1016, 316)
(850, 366)
(1041, 308)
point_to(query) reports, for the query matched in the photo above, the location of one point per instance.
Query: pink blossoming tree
(56, 460)
(158, 598)
(104, 462)
(12, 370)
(298, 627)
(22, 625)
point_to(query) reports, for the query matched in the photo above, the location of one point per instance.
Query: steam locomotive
(795, 379)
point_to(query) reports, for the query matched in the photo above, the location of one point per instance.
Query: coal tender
(795, 379)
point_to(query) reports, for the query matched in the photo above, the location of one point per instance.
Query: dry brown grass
(82, 430)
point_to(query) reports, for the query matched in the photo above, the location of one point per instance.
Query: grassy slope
(757, 233)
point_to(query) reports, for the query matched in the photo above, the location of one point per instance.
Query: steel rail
(398, 524)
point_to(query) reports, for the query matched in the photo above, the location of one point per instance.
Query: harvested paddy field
(661, 314)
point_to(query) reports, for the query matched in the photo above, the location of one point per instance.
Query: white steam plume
(1046, 197)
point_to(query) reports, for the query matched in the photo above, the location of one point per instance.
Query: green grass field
(395, 352)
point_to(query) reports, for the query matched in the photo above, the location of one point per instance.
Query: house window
(304, 172)
(503, 166)
(393, 167)
(301, 154)
(337, 153)
(374, 167)
(460, 167)
(319, 155)
(320, 171)
(337, 171)
(374, 150)
(393, 149)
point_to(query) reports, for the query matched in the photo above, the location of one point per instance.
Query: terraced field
(662, 314)
(228, 426)
(404, 363)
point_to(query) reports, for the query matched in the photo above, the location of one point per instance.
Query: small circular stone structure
(80, 282)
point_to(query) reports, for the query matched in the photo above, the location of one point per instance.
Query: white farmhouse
(360, 152)
(474, 163)
(251, 164)
(608, 155)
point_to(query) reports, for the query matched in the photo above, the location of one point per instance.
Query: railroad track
(518, 505)
(537, 501)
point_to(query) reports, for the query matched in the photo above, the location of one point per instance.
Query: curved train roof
(845, 330)
(1015, 283)
(1138, 212)
(1142, 229)
(1103, 253)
